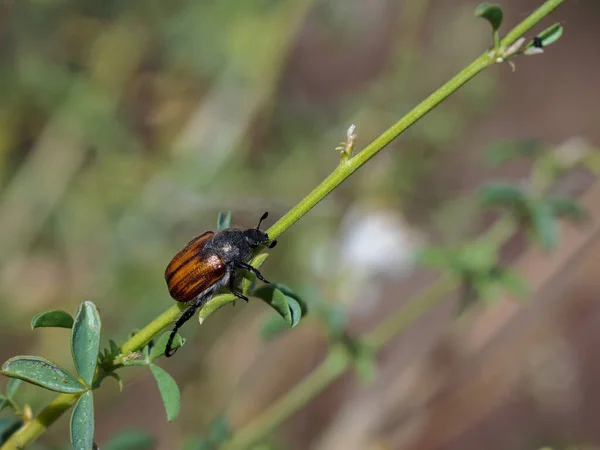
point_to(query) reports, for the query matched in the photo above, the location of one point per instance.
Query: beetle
(207, 264)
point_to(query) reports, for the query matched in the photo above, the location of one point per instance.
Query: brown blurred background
(126, 127)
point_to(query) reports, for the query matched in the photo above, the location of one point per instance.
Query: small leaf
(130, 440)
(169, 391)
(114, 348)
(41, 372)
(278, 301)
(8, 426)
(53, 318)
(543, 224)
(567, 208)
(276, 324)
(3, 402)
(12, 387)
(161, 344)
(490, 12)
(224, 220)
(85, 340)
(117, 377)
(295, 310)
(549, 36)
(82, 423)
(288, 292)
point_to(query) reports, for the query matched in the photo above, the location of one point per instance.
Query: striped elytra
(191, 272)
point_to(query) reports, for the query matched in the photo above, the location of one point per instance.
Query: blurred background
(125, 127)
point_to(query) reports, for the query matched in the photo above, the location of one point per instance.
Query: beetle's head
(255, 237)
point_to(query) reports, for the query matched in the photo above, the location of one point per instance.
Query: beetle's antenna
(264, 216)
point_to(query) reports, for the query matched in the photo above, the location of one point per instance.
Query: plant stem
(348, 167)
(32, 430)
(530, 21)
(334, 365)
(141, 338)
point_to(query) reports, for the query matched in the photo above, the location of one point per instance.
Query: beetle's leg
(187, 315)
(233, 291)
(254, 270)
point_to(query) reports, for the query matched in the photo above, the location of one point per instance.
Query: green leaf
(169, 391)
(567, 208)
(41, 372)
(290, 293)
(54, 318)
(114, 348)
(8, 426)
(130, 440)
(276, 324)
(549, 36)
(85, 340)
(12, 387)
(158, 349)
(117, 377)
(503, 195)
(3, 402)
(295, 310)
(490, 12)
(224, 220)
(82, 423)
(543, 224)
(287, 307)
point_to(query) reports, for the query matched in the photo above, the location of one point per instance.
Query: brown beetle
(207, 264)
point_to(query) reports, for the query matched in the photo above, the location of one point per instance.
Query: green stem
(530, 21)
(333, 366)
(146, 334)
(32, 430)
(348, 167)
(496, 40)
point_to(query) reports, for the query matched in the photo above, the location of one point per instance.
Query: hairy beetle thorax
(231, 246)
